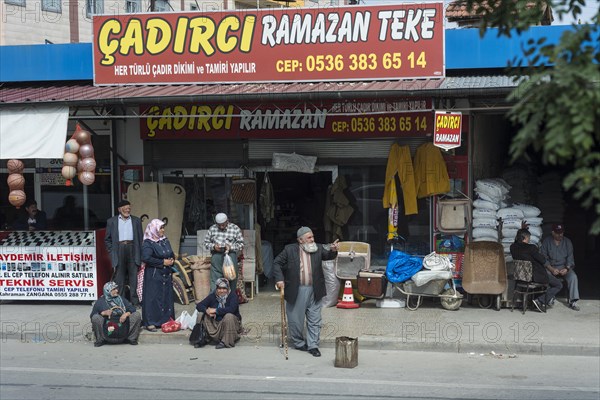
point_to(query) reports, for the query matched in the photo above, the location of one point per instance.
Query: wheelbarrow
(444, 289)
(484, 272)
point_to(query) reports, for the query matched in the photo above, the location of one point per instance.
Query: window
(15, 2)
(369, 221)
(51, 5)
(134, 6)
(162, 5)
(94, 7)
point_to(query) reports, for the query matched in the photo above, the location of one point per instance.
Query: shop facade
(176, 134)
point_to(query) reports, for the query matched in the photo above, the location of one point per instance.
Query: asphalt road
(80, 371)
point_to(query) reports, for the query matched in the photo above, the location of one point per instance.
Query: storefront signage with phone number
(341, 119)
(383, 42)
(37, 266)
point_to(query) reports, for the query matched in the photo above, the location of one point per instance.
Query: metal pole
(86, 217)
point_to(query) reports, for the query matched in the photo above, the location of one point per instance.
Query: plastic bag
(436, 262)
(423, 277)
(228, 268)
(187, 320)
(114, 330)
(199, 337)
(332, 284)
(401, 266)
(170, 326)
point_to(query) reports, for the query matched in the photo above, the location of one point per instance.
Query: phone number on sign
(382, 124)
(354, 62)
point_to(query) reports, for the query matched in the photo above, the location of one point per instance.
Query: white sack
(487, 232)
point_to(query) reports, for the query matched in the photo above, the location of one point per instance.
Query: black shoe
(302, 348)
(99, 343)
(221, 345)
(133, 342)
(537, 304)
(315, 352)
(151, 328)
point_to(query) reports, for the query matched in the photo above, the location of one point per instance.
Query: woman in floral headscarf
(157, 306)
(111, 311)
(223, 321)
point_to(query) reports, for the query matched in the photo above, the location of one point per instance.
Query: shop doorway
(298, 200)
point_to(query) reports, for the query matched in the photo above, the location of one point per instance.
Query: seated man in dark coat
(31, 218)
(521, 249)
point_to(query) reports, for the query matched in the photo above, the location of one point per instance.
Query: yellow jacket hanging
(431, 175)
(400, 162)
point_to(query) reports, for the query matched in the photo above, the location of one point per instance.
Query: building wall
(27, 22)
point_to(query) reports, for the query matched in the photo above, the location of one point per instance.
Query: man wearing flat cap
(123, 242)
(560, 262)
(222, 238)
(298, 269)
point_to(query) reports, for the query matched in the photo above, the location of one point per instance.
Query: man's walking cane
(284, 339)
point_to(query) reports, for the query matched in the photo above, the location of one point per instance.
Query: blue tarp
(401, 266)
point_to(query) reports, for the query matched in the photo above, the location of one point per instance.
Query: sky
(590, 9)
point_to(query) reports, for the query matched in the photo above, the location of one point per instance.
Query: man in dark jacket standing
(298, 269)
(123, 242)
(521, 249)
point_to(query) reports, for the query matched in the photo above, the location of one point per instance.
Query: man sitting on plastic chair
(521, 249)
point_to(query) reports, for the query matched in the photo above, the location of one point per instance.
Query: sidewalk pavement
(471, 329)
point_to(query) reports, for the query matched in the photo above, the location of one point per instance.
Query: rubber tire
(487, 304)
(451, 304)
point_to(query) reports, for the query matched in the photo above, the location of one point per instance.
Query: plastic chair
(524, 285)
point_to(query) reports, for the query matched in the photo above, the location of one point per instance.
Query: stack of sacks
(514, 218)
(491, 194)
(532, 220)
(512, 221)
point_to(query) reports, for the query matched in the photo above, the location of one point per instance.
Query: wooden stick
(284, 338)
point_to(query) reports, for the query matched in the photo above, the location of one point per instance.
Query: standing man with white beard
(298, 269)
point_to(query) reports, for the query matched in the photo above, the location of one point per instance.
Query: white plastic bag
(436, 262)
(228, 268)
(422, 277)
(187, 320)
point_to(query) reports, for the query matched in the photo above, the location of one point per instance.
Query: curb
(399, 344)
(499, 349)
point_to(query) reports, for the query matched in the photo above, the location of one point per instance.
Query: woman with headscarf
(109, 313)
(222, 319)
(157, 305)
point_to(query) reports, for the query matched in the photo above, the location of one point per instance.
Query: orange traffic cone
(347, 297)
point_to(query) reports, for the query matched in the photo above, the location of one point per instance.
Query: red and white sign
(48, 273)
(266, 45)
(369, 118)
(447, 132)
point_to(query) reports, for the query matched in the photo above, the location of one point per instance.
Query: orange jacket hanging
(431, 175)
(400, 162)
